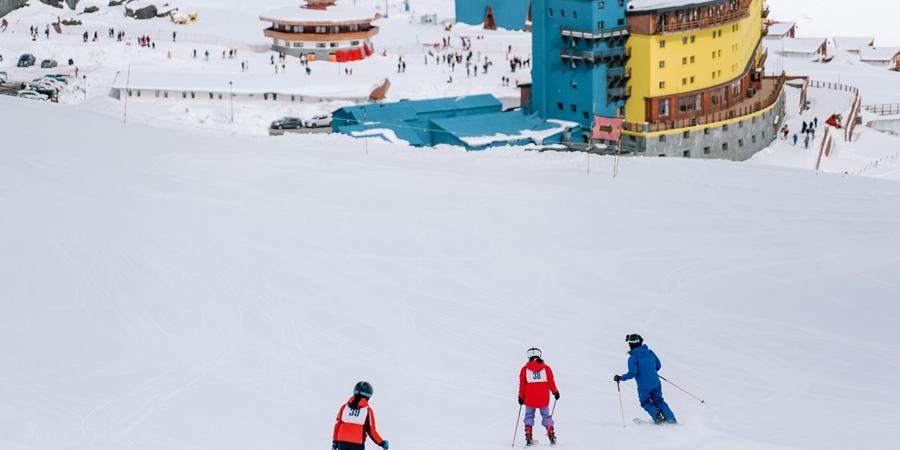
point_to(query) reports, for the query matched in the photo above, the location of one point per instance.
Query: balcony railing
(597, 56)
(737, 111)
(604, 33)
(741, 12)
(619, 93)
(618, 75)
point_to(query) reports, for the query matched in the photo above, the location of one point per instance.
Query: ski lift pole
(682, 389)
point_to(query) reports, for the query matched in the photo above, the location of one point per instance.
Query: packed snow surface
(172, 290)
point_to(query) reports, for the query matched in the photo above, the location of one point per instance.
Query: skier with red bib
(355, 421)
(536, 383)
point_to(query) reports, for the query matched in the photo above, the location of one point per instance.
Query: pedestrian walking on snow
(643, 366)
(795, 139)
(355, 421)
(806, 141)
(536, 383)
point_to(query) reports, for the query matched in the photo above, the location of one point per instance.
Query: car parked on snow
(322, 120)
(45, 89)
(4, 78)
(58, 77)
(32, 95)
(287, 123)
(59, 85)
(48, 64)
(26, 60)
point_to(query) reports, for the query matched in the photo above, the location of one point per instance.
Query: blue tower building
(508, 14)
(579, 51)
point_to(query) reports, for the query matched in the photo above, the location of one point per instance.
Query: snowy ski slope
(164, 290)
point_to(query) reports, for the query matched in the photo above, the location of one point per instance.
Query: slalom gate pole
(682, 389)
(516, 433)
(621, 406)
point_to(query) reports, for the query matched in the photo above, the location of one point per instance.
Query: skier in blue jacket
(642, 366)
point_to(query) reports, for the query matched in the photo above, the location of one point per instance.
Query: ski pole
(516, 433)
(553, 410)
(621, 406)
(682, 389)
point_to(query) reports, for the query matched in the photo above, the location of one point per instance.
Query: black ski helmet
(534, 352)
(634, 341)
(363, 389)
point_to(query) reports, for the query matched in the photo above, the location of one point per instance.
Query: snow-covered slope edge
(163, 290)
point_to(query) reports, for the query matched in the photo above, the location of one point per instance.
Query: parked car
(287, 123)
(4, 78)
(48, 64)
(59, 85)
(26, 60)
(32, 95)
(49, 91)
(319, 121)
(58, 77)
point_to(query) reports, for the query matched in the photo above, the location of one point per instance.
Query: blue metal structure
(508, 14)
(579, 51)
(475, 122)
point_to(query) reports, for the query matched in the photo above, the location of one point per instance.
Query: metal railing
(603, 33)
(742, 12)
(720, 116)
(596, 55)
(886, 109)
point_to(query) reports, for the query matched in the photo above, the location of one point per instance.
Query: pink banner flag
(607, 128)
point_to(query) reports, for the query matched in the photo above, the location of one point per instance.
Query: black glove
(556, 395)
(333, 445)
(617, 378)
(521, 401)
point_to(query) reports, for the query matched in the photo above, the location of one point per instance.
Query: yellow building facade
(671, 63)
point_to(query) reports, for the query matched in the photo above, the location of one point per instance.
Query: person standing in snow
(643, 366)
(536, 383)
(355, 421)
(795, 139)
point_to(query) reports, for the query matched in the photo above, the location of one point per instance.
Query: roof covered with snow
(333, 14)
(853, 43)
(247, 83)
(800, 45)
(781, 28)
(881, 54)
(654, 5)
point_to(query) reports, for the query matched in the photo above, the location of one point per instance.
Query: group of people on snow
(537, 384)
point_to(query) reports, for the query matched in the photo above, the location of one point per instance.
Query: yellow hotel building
(697, 84)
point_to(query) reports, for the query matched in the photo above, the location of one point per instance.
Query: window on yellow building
(664, 108)
(684, 60)
(662, 84)
(693, 38)
(684, 40)
(662, 64)
(662, 43)
(684, 81)
(693, 58)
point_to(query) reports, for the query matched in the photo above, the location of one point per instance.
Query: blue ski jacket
(642, 366)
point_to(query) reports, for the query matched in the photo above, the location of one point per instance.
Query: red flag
(607, 128)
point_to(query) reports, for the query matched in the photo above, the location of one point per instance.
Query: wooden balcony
(756, 100)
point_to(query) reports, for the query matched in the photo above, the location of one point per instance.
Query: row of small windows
(693, 38)
(296, 44)
(600, 5)
(212, 96)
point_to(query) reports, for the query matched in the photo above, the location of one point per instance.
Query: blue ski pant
(546, 418)
(652, 402)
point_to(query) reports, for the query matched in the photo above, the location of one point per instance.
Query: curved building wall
(8, 5)
(671, 63)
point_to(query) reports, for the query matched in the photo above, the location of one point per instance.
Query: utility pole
(231, 94)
